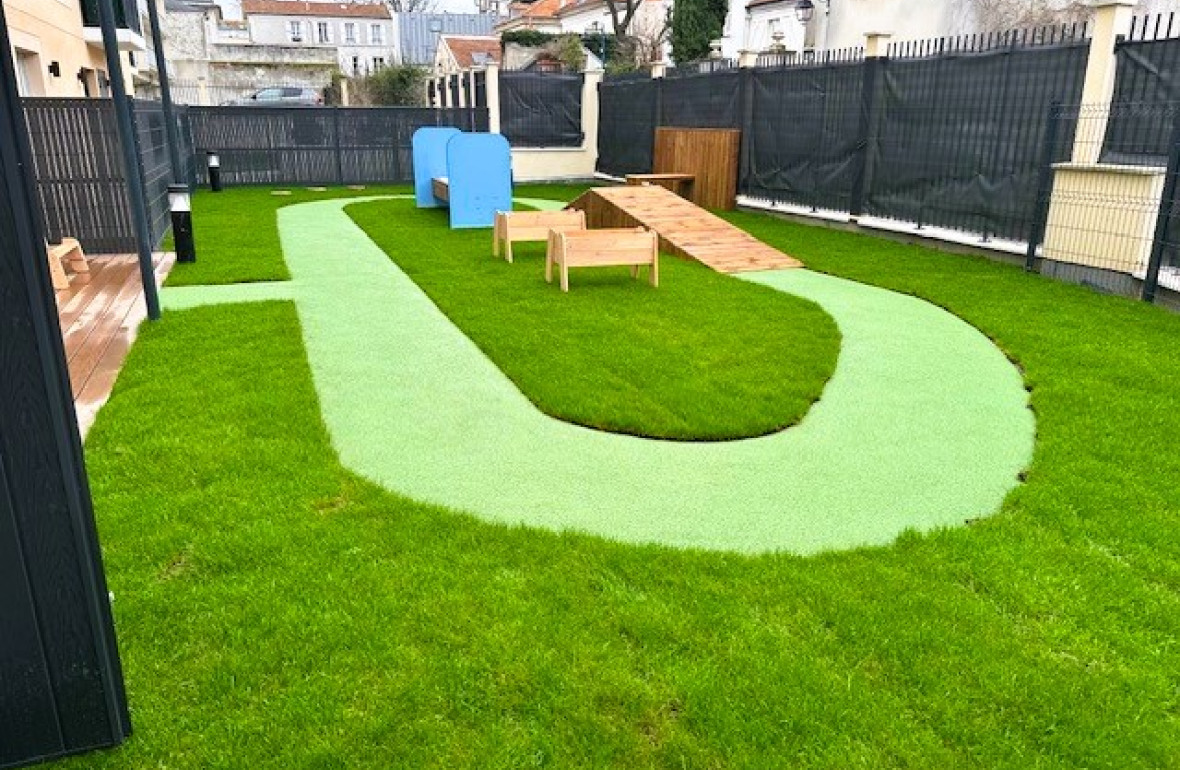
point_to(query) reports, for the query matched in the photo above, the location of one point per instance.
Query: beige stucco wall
(47, 31)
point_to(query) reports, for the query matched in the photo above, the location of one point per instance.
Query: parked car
(282, 96)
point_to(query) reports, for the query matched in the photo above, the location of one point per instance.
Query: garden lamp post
(213, 163)
(180, 203)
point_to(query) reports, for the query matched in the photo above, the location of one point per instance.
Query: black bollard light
(181, 204)
(214, 163)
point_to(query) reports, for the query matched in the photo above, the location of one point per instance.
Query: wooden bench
(441, 187)
(601, 248)
(70, 252)
(681, 184)
(523, 226)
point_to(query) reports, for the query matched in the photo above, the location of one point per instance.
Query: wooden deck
(685, 229)
(99, 321)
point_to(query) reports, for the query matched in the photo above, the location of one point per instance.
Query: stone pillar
(1111, 19)
(493, 88)
(462, 93)
(747, 59)
(1081, 185)
(658, 69)
(590, 81)
(345, 99)
(876, 44)
(202, 92)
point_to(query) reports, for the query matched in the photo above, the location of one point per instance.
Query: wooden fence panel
(710, 154)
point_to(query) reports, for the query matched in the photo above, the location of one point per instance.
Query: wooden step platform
(685, 229)
(99, 321)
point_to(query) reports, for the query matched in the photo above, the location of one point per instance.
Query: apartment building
(361, 33)
(57, 46)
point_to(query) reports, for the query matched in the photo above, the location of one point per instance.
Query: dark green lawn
(275, 611)
(703, 357)
(237, 236)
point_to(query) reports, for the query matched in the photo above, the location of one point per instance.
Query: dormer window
(295, 31)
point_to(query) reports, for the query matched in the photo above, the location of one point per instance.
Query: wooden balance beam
(524, 226)
(602, 248)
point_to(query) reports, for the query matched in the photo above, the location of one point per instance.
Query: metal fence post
(1044, 188)
(339, 151)
(131, 160)
(746, 102)
(1164, 218)
(875, 50)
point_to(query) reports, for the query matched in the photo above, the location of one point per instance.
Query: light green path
(924, 423)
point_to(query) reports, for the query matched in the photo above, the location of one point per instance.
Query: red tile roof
(467, 49)
(540, 9)
(376, 10)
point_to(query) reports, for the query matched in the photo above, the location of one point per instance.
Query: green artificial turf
(387, 363)
(704, 356)
(237, 240)
(275, 611)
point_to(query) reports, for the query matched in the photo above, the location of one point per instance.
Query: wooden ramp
(685, 229)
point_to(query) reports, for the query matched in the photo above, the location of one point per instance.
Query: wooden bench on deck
(70, 252)
(681, 184)
(633, 246)
(523, 226)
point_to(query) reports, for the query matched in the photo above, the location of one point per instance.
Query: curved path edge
(924, 423)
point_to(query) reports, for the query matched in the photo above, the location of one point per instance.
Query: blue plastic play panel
(479, 171)
(429, 147)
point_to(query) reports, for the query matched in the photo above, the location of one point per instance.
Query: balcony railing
(126, 14)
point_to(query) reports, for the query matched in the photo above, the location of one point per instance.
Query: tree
(649, 33)
(695, 24)
(622, 13)
(1002, 15)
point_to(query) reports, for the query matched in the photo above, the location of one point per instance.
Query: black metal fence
(152, 139)
(541, 109)
(81, 182)
(945, 132)
(1112, 227)
(340, 145)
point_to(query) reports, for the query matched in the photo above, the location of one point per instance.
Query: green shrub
(398, 86)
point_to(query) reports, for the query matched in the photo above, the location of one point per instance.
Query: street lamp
(804, 10)
(599, 31)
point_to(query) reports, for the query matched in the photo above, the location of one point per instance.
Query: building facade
(418, 33)
(57, 47)
(460, 53)
(649, 24)
(836, 24)
(362, 34)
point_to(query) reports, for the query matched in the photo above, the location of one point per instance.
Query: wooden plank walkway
(99, 321)
(685, 229)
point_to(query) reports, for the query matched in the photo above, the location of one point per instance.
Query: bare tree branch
(1001, 15)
